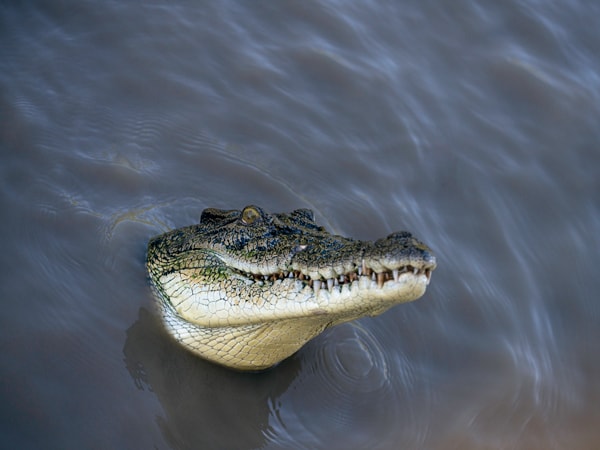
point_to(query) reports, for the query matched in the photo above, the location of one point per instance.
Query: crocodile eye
(250, 214)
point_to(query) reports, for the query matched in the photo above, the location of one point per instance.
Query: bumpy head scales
(246, 288)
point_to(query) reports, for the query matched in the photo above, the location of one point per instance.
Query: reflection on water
(474, 127)
(205, 405)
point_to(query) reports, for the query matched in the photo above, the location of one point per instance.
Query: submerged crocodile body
(246, 289)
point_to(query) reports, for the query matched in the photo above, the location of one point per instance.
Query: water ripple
(352, 364)
(358, 392)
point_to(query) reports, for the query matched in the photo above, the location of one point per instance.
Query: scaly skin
(246, 289)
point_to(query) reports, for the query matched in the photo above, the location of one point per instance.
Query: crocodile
(246, 288)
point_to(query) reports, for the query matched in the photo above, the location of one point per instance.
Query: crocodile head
(247, 289)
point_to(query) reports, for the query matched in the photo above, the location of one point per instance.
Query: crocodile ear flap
(304, 214)
(218, 216)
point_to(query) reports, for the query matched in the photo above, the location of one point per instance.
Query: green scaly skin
(246, 289)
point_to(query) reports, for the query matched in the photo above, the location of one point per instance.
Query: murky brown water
(475, 126)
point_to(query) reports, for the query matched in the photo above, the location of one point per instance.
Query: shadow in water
(205, 405)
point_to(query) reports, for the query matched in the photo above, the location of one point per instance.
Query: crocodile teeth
(316, 286)
(380, 279)
(362, 272)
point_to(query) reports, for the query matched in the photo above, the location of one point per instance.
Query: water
(475, 127)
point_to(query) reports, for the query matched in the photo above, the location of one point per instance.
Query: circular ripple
(353, 361)
(344, 395)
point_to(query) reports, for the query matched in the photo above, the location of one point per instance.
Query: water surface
(474, 126)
